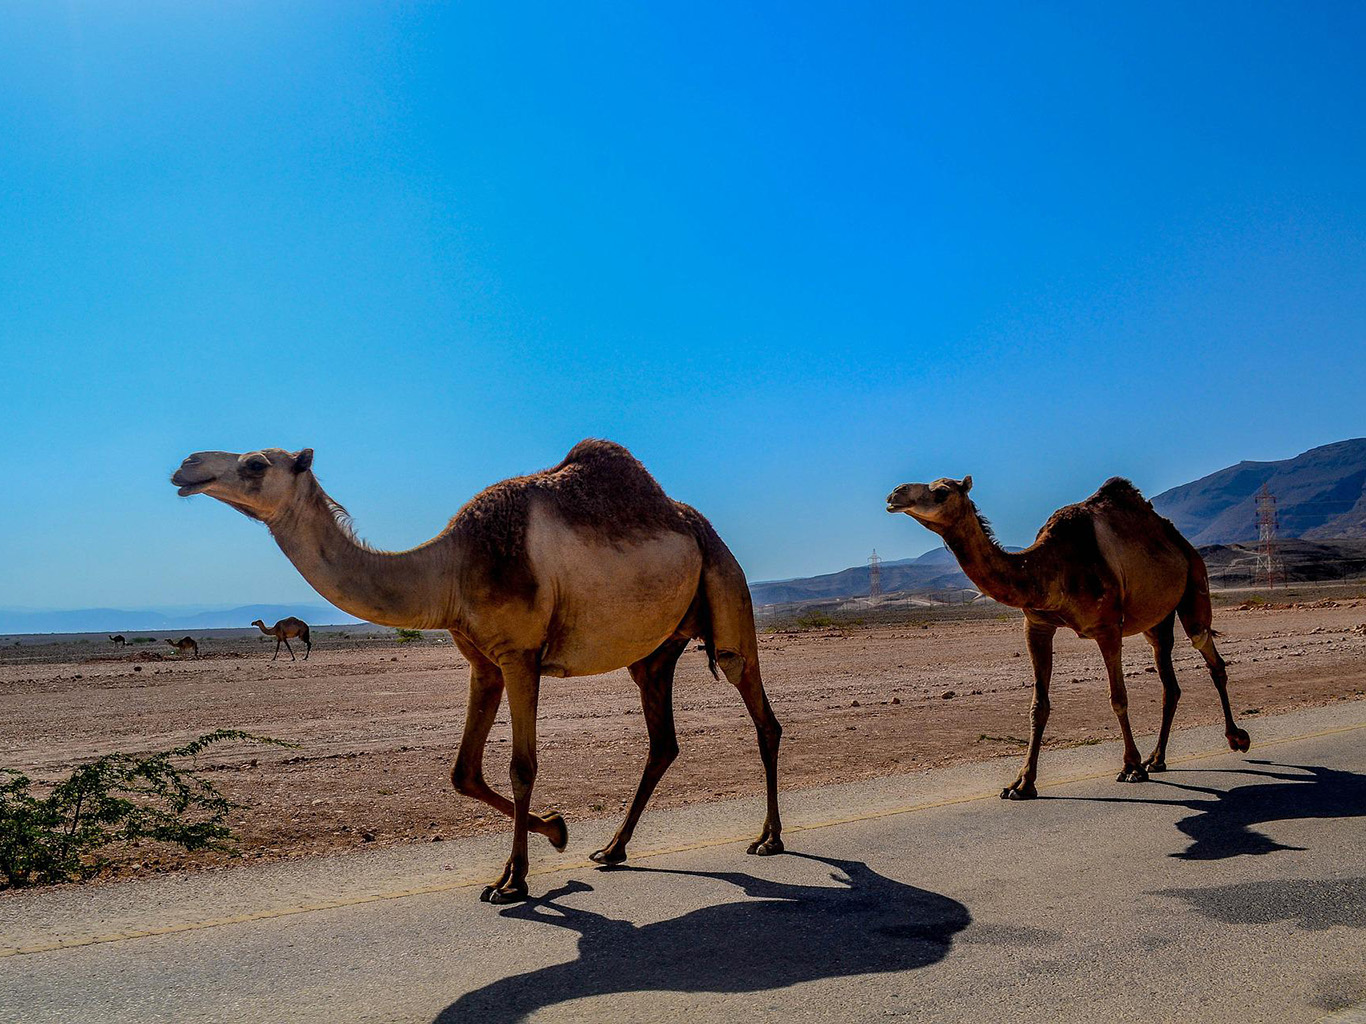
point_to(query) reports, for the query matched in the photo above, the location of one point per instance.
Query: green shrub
(814, 620)
(118, 798)
(407, 636)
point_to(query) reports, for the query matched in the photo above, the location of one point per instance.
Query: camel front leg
(288, 648)
(277, 649)
(1039, 639)
(655, 677)
(467, 774)
(1111, 648)
(522, 677)
(1161, 638)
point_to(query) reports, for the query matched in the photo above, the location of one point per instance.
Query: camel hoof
(1155, 766)
(607, 856)
(766, 847)
(1019, 791)
(509, 894)
(559, 836)
(1239, 740)
(1132, 773)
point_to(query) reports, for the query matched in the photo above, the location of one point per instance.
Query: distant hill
(935, 570)
(1320, 494)
(114, 620)
(1305, 561)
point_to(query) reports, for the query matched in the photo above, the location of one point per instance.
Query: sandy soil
(377, 723)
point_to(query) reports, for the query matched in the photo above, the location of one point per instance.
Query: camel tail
(708, 633)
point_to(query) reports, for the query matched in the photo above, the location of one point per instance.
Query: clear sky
(791, 255)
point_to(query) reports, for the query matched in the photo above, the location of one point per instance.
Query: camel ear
(303, 460)
(966, 484)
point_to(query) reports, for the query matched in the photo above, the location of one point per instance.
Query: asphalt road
(1232, 888)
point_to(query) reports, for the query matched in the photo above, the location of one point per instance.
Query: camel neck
(414, 589)
(1000, 575)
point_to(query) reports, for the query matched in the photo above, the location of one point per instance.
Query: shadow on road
(1223, 823)
(1313, 904)
(782, 934)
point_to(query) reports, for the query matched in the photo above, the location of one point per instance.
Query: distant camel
(1106, 568)
(185, 644)
(118, 641)
(577, 570)
(283, 630)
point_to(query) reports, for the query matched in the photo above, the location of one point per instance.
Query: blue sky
(791, 255)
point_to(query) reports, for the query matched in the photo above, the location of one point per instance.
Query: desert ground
(376, 723)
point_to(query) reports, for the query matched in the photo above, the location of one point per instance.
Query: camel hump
(1119, 489)
(598, 486)
(599, 451)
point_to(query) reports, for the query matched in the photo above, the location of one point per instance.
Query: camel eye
(256, 466)
(940, 493)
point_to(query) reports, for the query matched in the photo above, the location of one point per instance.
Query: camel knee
(663, 753)
(523, 773)
(468, 779)
(770, 730)
(732, 664)
(1120, 708)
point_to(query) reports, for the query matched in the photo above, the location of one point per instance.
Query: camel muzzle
(187, 481)
(904, 498)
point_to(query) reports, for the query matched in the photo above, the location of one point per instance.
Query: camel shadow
(781, 934)
(1223, 823)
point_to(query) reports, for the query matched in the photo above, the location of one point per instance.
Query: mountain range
(114, 620)
(1320, 494)
(934, 571)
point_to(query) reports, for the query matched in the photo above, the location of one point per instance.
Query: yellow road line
(427, 890)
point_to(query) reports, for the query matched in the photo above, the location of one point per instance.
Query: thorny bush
(120, 798)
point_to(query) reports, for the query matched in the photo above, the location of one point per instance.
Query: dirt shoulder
(377, 723)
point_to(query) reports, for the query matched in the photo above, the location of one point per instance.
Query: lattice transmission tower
(874, 575)
(1270, 568)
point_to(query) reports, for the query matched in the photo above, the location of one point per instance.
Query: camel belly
(613, 604)
(1152, 574)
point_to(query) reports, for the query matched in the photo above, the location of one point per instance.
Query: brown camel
(1107, 568)
(118, 641)
(283, 630)
(185, 645)
(576, 570)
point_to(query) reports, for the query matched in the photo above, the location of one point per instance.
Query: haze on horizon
(790, 256)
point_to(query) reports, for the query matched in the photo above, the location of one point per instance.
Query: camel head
(936, 506)
(258, 622)
(258, 484)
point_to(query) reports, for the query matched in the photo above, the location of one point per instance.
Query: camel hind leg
(1161, 639)
(1196, 619)
(737, 653)
(655, 677)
